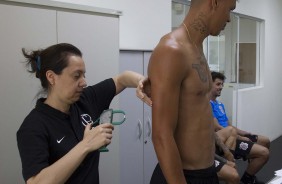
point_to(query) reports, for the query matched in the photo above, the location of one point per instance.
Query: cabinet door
(21, 27)
(150, 158)
(139, 161)
(131, 131)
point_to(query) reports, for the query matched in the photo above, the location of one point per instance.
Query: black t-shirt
(47, 134)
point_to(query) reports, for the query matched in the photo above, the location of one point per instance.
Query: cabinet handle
(140, 129)
(149, 127)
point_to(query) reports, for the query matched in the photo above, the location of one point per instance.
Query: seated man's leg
(227, 172)
(264, 141)
(258, 156)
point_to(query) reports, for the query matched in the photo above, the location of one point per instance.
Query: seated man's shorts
(218, 165)
(202, 176)
(242, 149)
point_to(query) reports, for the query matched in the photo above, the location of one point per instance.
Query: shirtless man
(183, 132)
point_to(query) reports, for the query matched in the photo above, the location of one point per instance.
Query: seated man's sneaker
(256, 181)
(250, 180)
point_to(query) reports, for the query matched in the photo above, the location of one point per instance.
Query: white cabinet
(137, 155)
(98, 38)
(30, 26)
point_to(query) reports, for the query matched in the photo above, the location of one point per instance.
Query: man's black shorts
(202, 176)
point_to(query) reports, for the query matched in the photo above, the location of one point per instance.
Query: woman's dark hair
(217, 75)
(53, 58)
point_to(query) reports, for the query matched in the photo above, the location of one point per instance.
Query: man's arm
(243, 138)
(166, 73)
(227, 154)
(241, 132)
(217, 126)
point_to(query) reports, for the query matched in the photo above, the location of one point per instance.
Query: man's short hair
(217, 75)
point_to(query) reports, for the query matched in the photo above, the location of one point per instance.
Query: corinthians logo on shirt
(86, 119)
(221, 109)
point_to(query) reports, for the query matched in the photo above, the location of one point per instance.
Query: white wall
(260, 109)
(142, 23)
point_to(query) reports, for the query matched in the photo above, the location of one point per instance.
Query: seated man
(258, 154)
(220, 114)
(226, 140)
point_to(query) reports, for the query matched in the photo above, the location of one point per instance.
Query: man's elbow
(160, 140)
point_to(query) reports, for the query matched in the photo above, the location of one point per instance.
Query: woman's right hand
(143, 91)
(95, 138)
